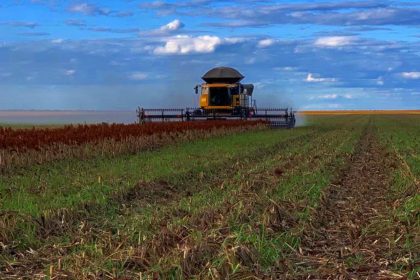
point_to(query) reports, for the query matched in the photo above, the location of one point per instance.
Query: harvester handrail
(272, 109)
(165, 110)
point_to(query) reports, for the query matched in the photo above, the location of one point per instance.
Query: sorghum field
(337, 198)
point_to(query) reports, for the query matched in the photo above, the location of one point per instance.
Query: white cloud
(411, 75)
(286, 68)
(172, 26)
(88, 9)
(331, 96)
(57, 41)
(311, 79)
(334, 41)
(167, 29)
(185, 44)
(70, 72)
(233, 40)
(138, 76)
(323, 106)
(266, 43)
(328, 96)
(83, 8)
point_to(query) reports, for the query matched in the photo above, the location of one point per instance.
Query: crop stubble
(346, 237)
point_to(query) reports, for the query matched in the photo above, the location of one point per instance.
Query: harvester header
(222, 97)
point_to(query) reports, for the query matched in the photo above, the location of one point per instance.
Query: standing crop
(75, 135)
(25, 147)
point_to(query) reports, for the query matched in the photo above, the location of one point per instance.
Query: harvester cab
(223, 96)
(223, 93)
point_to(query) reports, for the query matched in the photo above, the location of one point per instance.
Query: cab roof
(226, 75)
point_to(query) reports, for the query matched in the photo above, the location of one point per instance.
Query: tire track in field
(344, 239)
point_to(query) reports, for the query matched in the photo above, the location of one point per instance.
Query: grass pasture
(338, 196)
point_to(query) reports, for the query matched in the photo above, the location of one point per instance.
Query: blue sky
(116, 55)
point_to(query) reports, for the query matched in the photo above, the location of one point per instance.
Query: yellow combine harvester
(222, 97)
(223, 92)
